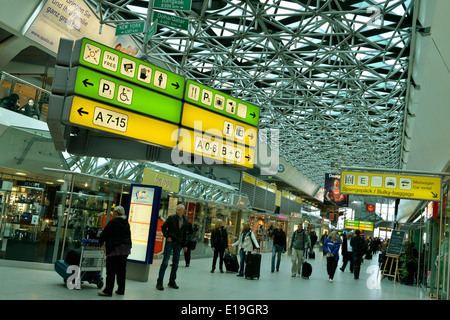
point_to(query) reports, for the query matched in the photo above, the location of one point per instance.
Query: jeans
(168, 248)
(218, 253)
(276, 250)
(243, 256)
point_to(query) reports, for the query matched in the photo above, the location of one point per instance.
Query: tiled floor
(197, 283)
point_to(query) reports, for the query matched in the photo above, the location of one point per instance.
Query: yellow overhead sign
(217, 125)
(391, 185)
(218, 150)
(90, 114)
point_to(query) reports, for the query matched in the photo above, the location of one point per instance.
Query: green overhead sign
(171, 20)
(104, 59)
(222, 103)
(130, 28)
(183, 5)
(94, 85)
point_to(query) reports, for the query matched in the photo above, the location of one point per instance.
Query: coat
(332, 247)
(245, 241)
(300, 240)
(116, 232)
(219, 239)
(171, 228)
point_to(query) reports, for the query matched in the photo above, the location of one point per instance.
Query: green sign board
(151, 31)
(183, 5)
(171, 20)
(130, 28)
(91, 84)
(219, 102)
(118, 64)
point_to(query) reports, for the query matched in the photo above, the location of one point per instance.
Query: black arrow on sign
(176, 85)
(81, 112)
(248, 158)
(87, 83)
(434, 195)
(253, 115)
(250, 136)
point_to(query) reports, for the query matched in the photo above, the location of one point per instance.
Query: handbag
(191, 242)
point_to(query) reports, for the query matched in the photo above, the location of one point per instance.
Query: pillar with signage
(143, 219)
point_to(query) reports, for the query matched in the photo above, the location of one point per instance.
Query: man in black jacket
(347, 252)
(174, 230)
(279, 246)
(359, 248)
(219, 242)
(117, 235)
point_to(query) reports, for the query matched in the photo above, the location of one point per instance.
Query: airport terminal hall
(225, 158)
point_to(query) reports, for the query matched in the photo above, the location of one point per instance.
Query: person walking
(331, 248)
(174, 230)
(279, 246)
(189, 237)
(359, 248)
(300, 241)
(313, 238)
(219, 242)
(347, 252)
(245, 243)
(117, 235)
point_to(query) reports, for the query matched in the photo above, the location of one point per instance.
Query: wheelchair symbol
(125, 94)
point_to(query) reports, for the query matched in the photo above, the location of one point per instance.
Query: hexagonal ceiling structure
(331, 76)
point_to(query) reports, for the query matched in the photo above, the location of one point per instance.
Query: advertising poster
(72, 19)
(142, 217)
(333, 195)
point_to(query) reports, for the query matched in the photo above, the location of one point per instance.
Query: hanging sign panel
(91, 84)
(110, 61)
(219, 102)
(90, 114)
(391, 185)
(215, 151)
(215, 124)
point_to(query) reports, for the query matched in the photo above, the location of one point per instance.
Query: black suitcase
(231, 262)
(311, 255)
(306, 270)
(368, 256)
(253, 266)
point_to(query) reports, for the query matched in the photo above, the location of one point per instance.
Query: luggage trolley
(91, 262)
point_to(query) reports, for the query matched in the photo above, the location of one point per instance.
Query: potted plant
(408, 262)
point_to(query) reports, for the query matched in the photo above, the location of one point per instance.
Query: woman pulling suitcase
(246, 243)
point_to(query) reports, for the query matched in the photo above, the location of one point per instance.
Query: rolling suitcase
(231, 262)
(312, 255)
(253, 266)
(61, 268)
(306, 270)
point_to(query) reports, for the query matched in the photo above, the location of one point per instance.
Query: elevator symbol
(219, 102)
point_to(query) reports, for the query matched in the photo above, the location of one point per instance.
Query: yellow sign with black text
(391, 185)
(91, 114)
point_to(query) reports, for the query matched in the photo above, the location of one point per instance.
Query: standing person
(322, 241)
(245, 243)
(347, 252)
(331, 247)
(279, 246)
(175, 231)
(117, 235)
(359, 248)
(219, 242)
(313, 238)
(187, 253)
(300, 241)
